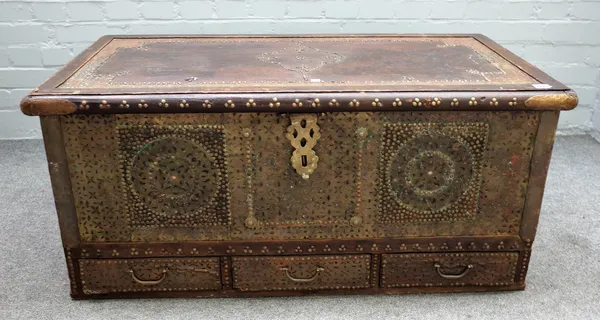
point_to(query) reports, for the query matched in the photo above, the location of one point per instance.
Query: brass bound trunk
(242, 166)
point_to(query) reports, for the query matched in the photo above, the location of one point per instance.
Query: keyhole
(304, 161)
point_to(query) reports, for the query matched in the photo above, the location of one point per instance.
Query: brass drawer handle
(304, 280)
(438, 267)
(149, 282)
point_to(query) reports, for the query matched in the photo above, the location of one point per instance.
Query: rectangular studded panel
(273, 176)
(301, 273)
(448, 269)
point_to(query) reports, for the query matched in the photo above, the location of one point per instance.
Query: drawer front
(448, 269)
(137, 275)
(301, 273)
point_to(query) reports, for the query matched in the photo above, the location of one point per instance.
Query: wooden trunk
(208, 166)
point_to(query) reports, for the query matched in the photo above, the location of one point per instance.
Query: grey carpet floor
(563, 280)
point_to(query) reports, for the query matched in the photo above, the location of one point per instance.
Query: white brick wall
(561, 37)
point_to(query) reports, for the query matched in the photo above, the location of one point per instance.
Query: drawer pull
(149, 282)
(304, 280)
(438, 267)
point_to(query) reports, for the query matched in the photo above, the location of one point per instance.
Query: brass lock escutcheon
(303, 134)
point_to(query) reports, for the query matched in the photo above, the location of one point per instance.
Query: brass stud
(316, 103)
(454, 102)
(296, 103)
(376, 103)
(473, 101)
(84, 105)
(275, 103)
(250, 103)
(104, 105)
(229, 104)
(163, 103)
(333, 103)
(397, 102)
(494, 102)
(142, 104)
(513, 103)
(184, 104)
(436, 102)
(417, 103)
(206, 104)
(124, 104)
(354, 103)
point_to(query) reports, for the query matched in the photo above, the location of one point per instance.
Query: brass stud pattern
(454, 102)
(473, 102)
(206, 104)
(71, 271)
(225, 272)
(130, 251)
(342, 248)
(146, 149)
(524, 266)
(250, 103)
(229, 104)
(316, 103)
(334, 103)
(513, 103)
(397, 102)
(104, 105)
(251, 221)
(184, 104)
(163, 103)
(274, 104)
(388, 248)
(417, 102)
(142, 104)
(494, 102)
(297, 103)
(354, 103)
(124, 105)
(406, 193)
(376, 103)
(84, 105)
(375, 271)
(361, 136)
(436, 102)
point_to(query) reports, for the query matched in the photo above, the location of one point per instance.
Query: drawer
(448, 269)
(301, 273)
(136, 275)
